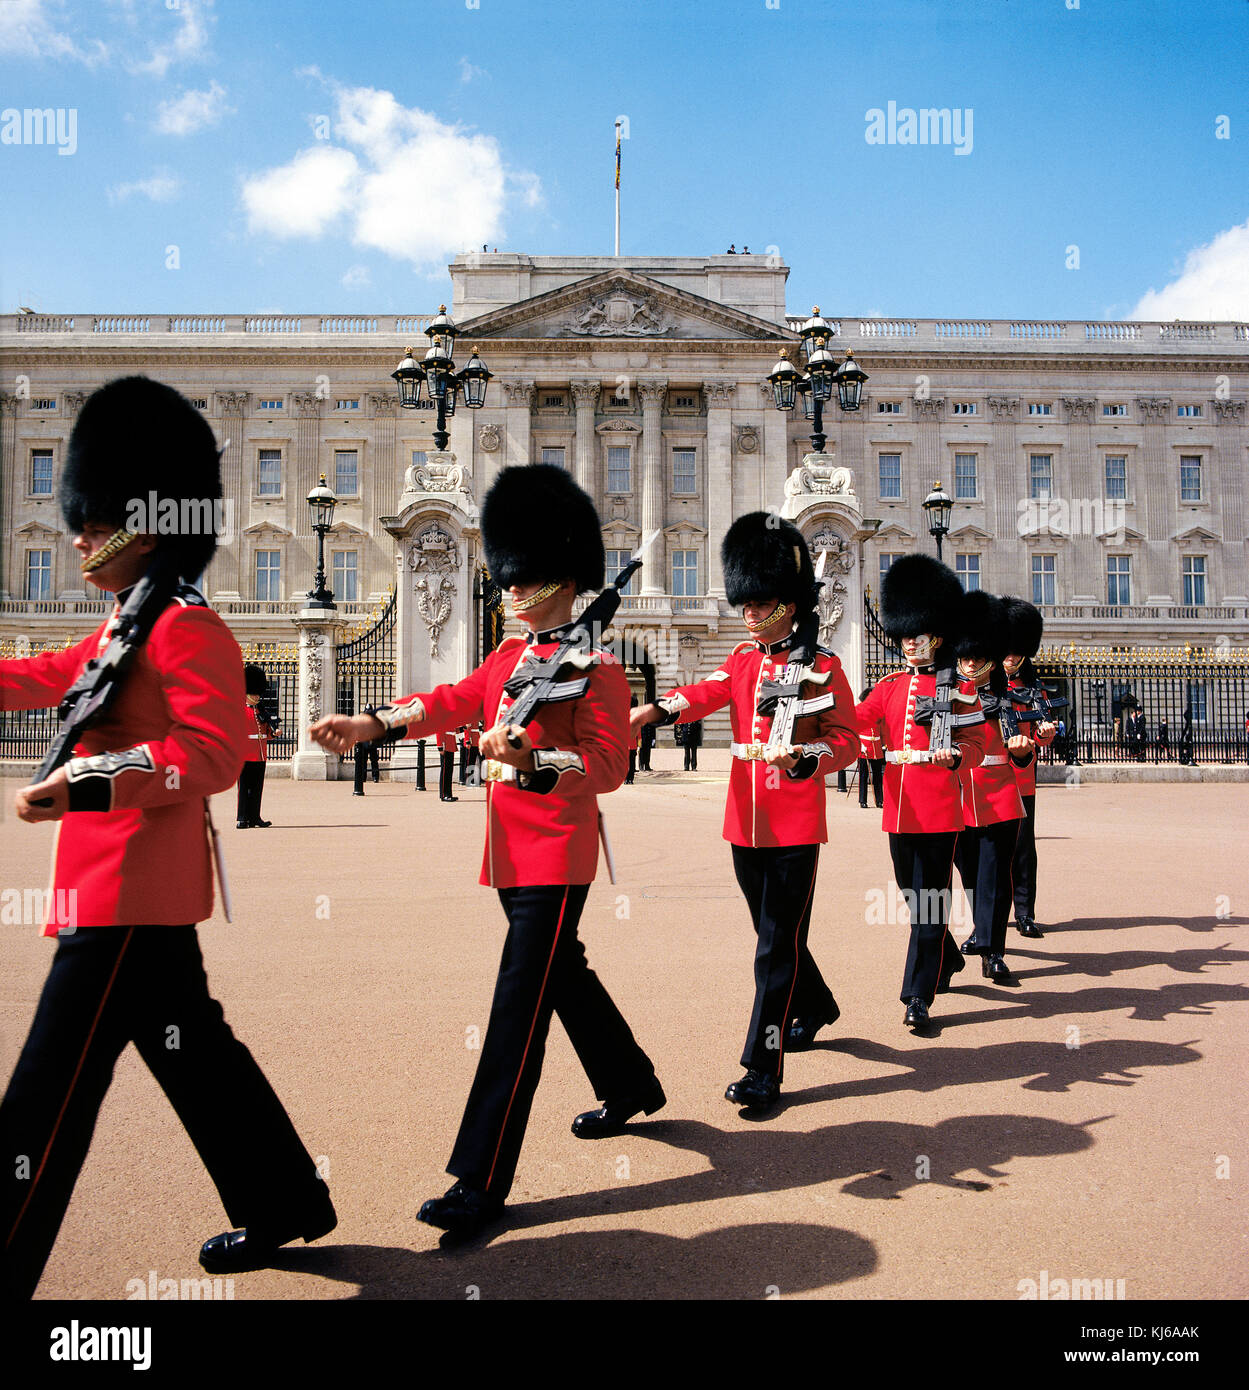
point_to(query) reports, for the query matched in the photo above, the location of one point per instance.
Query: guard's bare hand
(943, 758)
(780, 757)
(54, 789)
(341, 732)
(1020, 744)
(644, 714)
(496, 744)
(1046, 731)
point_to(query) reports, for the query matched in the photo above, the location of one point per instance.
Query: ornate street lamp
(441, 380)
(938, 504)
(816, 385)
(321, 503)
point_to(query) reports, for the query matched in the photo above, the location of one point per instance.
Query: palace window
(346, 472)
(38, 574)
(685, 402)
(1116, 408)
(887, 557)
(684, 472)
(1043, 574)
(1040, 408)
(1119, 579)
(348, 403)
(1041, 476)
(967, 567)
(199, 402)
(553, 454)
(419, 458)
(1194, 581)
(345, 567)
(271, 403)
(43, 403)
(269, 575)
(616, 561)
(552, 399)
(1188, 412)
(618, 470)
(269, 473)
(890, 475)
(888, 407)
(1190, 477)
(966, 408)
(1197, 701)
(41, 473)
(1116, 477)
(684, 573)
(965, 476)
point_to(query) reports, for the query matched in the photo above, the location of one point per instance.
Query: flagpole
(617, 188)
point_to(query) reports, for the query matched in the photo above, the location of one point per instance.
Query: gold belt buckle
(492, 770)
(904, 755)
(755, 752)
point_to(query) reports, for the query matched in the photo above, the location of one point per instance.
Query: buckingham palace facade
(1097, 468)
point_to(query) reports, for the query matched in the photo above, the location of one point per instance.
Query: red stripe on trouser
(793, 984)
(86, 1047)
(945, 927)
(528, 1041)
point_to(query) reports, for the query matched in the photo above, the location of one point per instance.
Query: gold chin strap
(523, 605)
(981, 674)
(115, 544)
(774, 616)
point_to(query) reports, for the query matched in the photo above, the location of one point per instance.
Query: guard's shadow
(736, 1262)
(1211, 922)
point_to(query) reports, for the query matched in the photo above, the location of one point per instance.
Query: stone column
(307, 437)
(1084, 487)
(11, 584)
(519, 396)
(1156, 506)
(719, 396)
(319, 632)
(228, 572)
(380, 480)
(1007, 476)
(1228, 486)
(585, 395)
(655, 570)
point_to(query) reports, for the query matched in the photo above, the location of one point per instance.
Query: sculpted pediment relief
(621, 305)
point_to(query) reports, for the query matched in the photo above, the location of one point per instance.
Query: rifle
(938, 711)
(1035, 704)
(91, 696)
(538, 683)
(782, 699)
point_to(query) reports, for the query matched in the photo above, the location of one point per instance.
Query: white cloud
(1214, 283)
(468, 71)
(189, 41)
(419, 189)
(37, 29)
(192, 111)
(160, 188)
(357, 278)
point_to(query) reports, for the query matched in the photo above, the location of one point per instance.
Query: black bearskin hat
(765, 557)
(982, 627)
(920, 594)
(256, 681)
(538, 525)
(141, 455)
(1024, 626)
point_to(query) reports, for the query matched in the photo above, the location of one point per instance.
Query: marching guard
(133, 857)
(1024, 627)
(992, 808)
(774, 817)
(544, 546)
(929, 727)
(262, 724)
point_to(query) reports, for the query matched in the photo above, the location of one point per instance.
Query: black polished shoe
(994, 968)
(262, 824)
(242, 825)
(970, 948)
(957, 964)
(802, 1031)
(234, 1252)
(1027, 927)
(448, 798)
(461, 1210)
(916, 1014)
(614, 1115)
(757, 1091)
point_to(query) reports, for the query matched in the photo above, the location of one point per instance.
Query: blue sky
(333, 156)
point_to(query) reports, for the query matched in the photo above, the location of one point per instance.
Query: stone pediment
(621, 304)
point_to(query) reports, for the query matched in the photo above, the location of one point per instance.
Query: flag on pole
(617, 154)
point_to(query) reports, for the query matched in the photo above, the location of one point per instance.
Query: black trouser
(984, 855)
(644, 757)
(543, 970)
(1024, 866)
(109, 986)
(877, 766)
(633, 765)
(779, 886)
(366, 754)
(691, 759)
(923, 866)
(251, 787)
(446, 773)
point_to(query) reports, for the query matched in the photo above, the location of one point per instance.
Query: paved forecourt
(1088, 1124)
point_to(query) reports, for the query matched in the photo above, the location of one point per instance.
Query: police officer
(133, 849)
(921, 601)
(544, 546)
(774, 817)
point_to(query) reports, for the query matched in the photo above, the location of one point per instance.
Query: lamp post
(816, 384)
(938, 504)
(438, 375)
(321, 502)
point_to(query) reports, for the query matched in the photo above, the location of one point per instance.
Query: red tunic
(990, 792)
(532, 837)
(920, 798)
(1025, 777)
(766, 807)
(180, 726)
(258, 735)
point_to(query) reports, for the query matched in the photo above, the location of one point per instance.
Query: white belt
(909, 755)
(995, 760)
(494, 771)
(750, 752)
